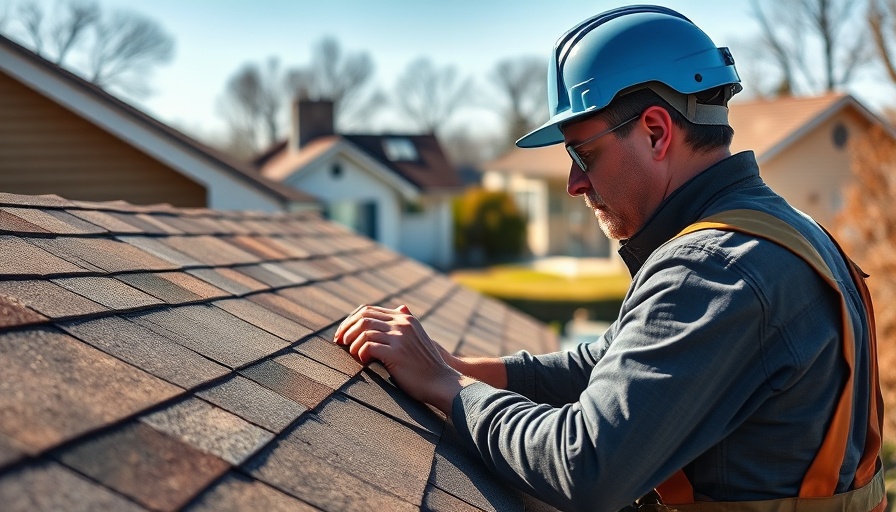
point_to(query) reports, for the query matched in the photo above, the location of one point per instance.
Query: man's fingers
(371, 336)
(364, 311)
(372, 351)
(361, 325)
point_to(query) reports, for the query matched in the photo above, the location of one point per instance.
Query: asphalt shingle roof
(160, 359)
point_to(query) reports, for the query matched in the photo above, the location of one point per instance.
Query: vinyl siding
(46, 149)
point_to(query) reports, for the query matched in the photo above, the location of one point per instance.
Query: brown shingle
(330, 306)
(154, 246)
(350, 436)
(49, 299)
(173, 287)
(314, 370)
(210, 250)
(437, 500)
(325, 351)
(258, 247)
(147, 350)
(107, 291)
(14, 312)
(107, 221)
(47, 485)
(211, 332)
(288, 382)
(157, 470)
(229, 280)
(55, 388)
(55, 221)
(271, 274)
(104, 254)
(254, 403)
(457, 472)
(237, 493)
(12, 223)
(370, 389)
(210, 429)
(22, 258)
(285, 307)
(264, 318)
(288, 466)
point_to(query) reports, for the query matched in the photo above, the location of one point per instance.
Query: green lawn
(516, 282)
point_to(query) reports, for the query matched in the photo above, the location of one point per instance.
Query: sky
(214, 38)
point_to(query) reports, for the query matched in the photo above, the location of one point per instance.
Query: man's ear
(659, 123)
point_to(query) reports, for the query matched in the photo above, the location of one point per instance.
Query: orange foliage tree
(867, 229)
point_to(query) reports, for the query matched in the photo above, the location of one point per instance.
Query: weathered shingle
(164, 359)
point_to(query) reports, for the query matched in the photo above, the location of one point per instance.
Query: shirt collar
(686, 205)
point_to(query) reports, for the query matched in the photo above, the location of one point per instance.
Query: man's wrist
(447, 390)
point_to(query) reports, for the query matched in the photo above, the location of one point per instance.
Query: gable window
(336, 171)
(400, 149)
(840, 135)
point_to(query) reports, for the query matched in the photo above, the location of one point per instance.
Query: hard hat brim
(549, 133)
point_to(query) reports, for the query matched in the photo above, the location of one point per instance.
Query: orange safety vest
(817, 492)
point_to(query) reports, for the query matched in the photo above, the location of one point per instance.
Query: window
(400, 149)
(336, 171)
(361, 216)
(840, 135)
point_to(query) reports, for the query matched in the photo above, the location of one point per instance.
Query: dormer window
(400, 149)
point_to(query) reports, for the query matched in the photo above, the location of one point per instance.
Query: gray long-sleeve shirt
(725, 360)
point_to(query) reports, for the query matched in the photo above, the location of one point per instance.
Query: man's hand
(395, 338)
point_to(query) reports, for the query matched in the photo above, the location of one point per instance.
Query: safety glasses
(577, 158)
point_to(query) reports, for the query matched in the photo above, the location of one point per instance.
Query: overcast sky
(215, 37)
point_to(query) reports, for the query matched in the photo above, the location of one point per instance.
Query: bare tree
(343, 78)
(867, 229)
(125, 46)
(815, 45)
(112, 50)
(882, 21)
(522, 82)
(252, 103)
(430, 95)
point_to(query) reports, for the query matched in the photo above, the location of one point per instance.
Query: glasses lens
(576, 158)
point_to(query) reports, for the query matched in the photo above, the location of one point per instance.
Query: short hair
(700, 137)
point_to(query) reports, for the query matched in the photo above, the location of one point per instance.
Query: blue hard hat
(628, 48)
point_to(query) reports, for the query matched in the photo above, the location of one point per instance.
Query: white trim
(148, 140)
(405, 188)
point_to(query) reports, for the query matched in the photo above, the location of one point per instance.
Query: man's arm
(490, 370)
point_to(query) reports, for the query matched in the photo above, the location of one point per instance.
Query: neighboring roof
(161, 358)
(764, 126)
(87, 99)
(769, 126)
(431, 172)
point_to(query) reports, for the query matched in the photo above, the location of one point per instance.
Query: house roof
(157, 358)
(765, 126)
(131, 124)
(430, 172)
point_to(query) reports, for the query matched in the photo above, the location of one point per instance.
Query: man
(741, 368)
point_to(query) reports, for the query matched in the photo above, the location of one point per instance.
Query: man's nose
(577, 183)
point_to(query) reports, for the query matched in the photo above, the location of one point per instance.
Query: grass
(523, 283)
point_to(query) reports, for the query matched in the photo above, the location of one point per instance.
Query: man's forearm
(490, 370)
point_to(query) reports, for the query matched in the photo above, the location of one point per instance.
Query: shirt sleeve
(683, 369)
(557, 378)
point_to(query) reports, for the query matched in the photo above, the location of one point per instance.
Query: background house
(395, 188)
(60, 134)
(801, 145)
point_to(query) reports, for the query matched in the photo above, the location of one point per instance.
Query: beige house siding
(46, 149)
(812, 173)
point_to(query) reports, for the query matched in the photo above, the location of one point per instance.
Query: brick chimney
(310, 119)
